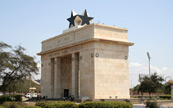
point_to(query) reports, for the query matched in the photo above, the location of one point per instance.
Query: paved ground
(164, 105)
(24, 99)
(167, 104)
(30, 103)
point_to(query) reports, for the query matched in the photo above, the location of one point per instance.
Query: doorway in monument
(66, 67)
(66, 92)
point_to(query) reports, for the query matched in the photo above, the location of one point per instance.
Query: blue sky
(150, 25)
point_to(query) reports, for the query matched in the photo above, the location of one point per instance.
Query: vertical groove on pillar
(77, 74)
(75, 71)
(57, 79)
(72, 74)
(52, 78)
(79, 77)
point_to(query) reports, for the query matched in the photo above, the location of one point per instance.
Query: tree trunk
(149, 94)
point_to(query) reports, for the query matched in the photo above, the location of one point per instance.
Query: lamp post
(149, 61)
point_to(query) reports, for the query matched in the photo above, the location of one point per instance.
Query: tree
(150, 83)
(167, 88)
(23, 86)
(15, 65)
(135, 88)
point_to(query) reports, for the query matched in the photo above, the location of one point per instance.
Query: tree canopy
(22, 86)
(150, 83)
(15, 64)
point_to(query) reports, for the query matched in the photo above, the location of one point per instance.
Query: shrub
(13, 104)
(66, 104)
(31, 107)
(4, 98)
(56, 104)
(43, 104)
(9, 98)
(17, 97)
(105, 105)
(165, 96)
(150, 104)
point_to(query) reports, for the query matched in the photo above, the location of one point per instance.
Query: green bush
(56, 104)
(17, 97)
(43, 104)
(9, 98)
(13, 104)
(165, 96)
(31, 107)
(1, 107)
(4, 98)
(66, 104)
(150, 104)
(105, 105)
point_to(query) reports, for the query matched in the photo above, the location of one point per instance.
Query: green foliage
(66, 104)
(105, 105)
(31, 107)
(23, 86)
(145, 96)
(18, 97)
(43, 104)
(1, 107)
(150, 84)
(13, 104)
(165, 96)
(3, 56)
(15, 65)
(160, 90)
(56, 104)
(5, 98)
(150, 104)
(136, 88)
(167, 88)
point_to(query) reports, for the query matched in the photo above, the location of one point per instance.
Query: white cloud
(135, 65)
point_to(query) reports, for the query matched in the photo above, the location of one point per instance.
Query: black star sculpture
(71, 19)
(85, 18)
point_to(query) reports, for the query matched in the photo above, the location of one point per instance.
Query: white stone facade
(91, 61)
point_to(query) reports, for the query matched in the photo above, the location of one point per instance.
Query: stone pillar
(57, 78)
(52, 78)
(44, 67)
(75, 71)
(80, 58)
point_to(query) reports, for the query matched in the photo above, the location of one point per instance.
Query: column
(57, 78)
(52, 78)
(44, 65)
(80, 58)
(75, 71)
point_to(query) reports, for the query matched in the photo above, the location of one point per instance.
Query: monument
(86, 60)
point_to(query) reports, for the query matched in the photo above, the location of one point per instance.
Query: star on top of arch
(85, 18)
(72, 18)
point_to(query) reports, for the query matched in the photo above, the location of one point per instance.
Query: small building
(86, 60)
